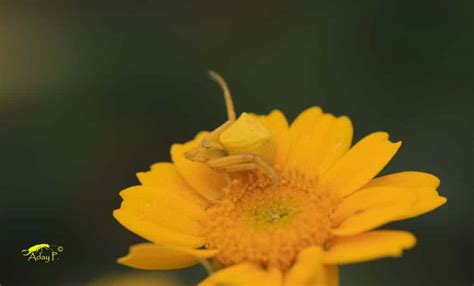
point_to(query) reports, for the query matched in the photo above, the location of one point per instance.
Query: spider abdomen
(248, 135)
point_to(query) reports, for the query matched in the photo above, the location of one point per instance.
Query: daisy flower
(259, 201)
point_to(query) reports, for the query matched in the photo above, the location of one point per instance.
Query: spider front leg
(244, 162)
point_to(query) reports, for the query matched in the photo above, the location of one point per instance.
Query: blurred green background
(91, 93)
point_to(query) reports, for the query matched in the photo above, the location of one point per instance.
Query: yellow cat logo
(36, 253)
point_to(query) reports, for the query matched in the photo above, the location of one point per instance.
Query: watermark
(43, 252)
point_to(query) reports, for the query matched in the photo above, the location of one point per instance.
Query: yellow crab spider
(240, 144)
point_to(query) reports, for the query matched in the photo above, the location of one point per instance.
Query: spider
(239, 144)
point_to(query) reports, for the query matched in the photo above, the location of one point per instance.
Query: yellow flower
(317, 211)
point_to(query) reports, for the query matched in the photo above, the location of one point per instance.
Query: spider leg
(227, 97)
(244, 162)
(231, 160)
(214, 135)
(235, 168)
(239, 167)
(231, 117)
(229, 182)
(265, 167)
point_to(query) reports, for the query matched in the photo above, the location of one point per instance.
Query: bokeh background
(91, 93)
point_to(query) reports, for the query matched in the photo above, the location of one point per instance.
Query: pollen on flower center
(265, 216)
(254, 223)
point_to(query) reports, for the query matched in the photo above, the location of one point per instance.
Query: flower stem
(208, 266)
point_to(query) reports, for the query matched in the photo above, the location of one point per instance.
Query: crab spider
(240, 144)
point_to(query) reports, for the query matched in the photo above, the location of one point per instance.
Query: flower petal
(157, 234)
(409, 179)
(428, 200)
(318, 140)
(423, 184)
(368, 246)
(385, 199)
(360, 164)
(151, 256)
(165, 175)
(203, 179)
(367, 199)
(309, 270)
(160, 215)
(337, 142)
(244, 274)
(301, 134)
(276, 122)
(370, 208)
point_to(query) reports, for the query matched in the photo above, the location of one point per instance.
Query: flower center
(254, 223)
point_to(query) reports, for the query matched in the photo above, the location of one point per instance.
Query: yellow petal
(151, 256)
(307, 136)
(276, 122)
(165, 175)
(317, 141)
(158, 234)
(164, 207)
(368, 246)
(369, 198)
(385, 206)
(360, 164)
(309, 270)
(385, 199)
(205, 181)
(428, 200)
(244, 274)
(336, 143)
(370, 208)
(410, 179)
(300, 133)
(374, 216)
(423, 184)
(161, 216)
